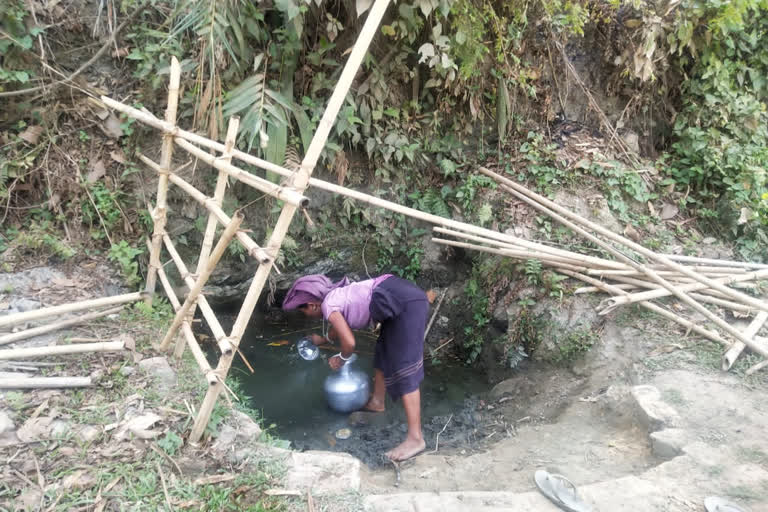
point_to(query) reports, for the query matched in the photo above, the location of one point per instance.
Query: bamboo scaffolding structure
(22, 335)
(542, 203)
(539, 202)
(45, 382)
(192, 296)
(733, 353)
(186, 328)
(652, 307)
(210, 228)
(26, 316)
(252, 247)
(159, 215)
(299, 182)
(79, 348)
(218, 332)
(278, 191)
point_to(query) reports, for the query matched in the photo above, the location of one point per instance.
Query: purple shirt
(353, 302)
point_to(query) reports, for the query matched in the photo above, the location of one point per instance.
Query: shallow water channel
(289, 393)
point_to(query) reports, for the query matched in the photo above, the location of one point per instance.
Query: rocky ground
(644, 422)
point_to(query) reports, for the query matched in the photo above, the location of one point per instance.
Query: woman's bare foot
(407, 449)
(374, 405)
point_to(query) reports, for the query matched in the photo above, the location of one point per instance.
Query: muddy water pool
(288, 391)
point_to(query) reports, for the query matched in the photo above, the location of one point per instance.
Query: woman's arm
(344, 334)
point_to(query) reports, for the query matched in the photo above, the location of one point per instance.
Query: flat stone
(59, 428)
(323, 472)
(6, 423)
(88, 433)
(159, 368)
(669, 443)
(125, 371)
(236, 437)
(22, 305)
(652, 410)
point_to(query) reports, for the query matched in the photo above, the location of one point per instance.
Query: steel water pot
(348, 389)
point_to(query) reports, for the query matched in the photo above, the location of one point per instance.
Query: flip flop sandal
(715, 504)
(560, 491)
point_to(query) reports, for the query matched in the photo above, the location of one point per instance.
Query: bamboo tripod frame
(291, 193)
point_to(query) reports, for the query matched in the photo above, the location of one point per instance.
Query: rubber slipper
(716, 504)
(560, 491)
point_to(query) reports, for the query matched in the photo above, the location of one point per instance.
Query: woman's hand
(317, 339)
(335, 362)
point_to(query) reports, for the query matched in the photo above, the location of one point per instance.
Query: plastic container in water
(348, 389)
(306, 349)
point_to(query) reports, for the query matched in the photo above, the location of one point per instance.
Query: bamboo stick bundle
(299, 181)
(76, 348)
(186, 328)
(642, 283)
(218, 252)
(665, 273)
(210, 228)
(705, 268)
(733, 353)
(27, 316)
(166, 154)
(45, 382)
(286, 194)
(511, 254)
(688, 287)
(22, 335)
(549, 207)
(210, 317)
(712, 335)
(539, 203)
(576, 259)
(251, 246)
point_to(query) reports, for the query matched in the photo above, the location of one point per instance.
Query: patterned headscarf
(311, 288)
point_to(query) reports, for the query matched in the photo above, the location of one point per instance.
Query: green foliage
(159, 314)
(574, 344)
(474, 332)
(16, 39)
(720, 148)
(41, 237)
(170, 443)
(542, 165)
(125, 256)
(101, 209)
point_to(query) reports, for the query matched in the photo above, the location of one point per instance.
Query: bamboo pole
(689, 287)
(737, 348)
(194, 347)
(712, 335)
(22, 335)
(159, 214)
(218, 332)
(299, 181)
(79, 348)
(218, 252)
(45, 382)
(759, 366)
(69, 308)
(210, 228)
(252, 247)
(593, 289)
(281, 192)
(540, 202)
(669, 286)
(710, 261)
